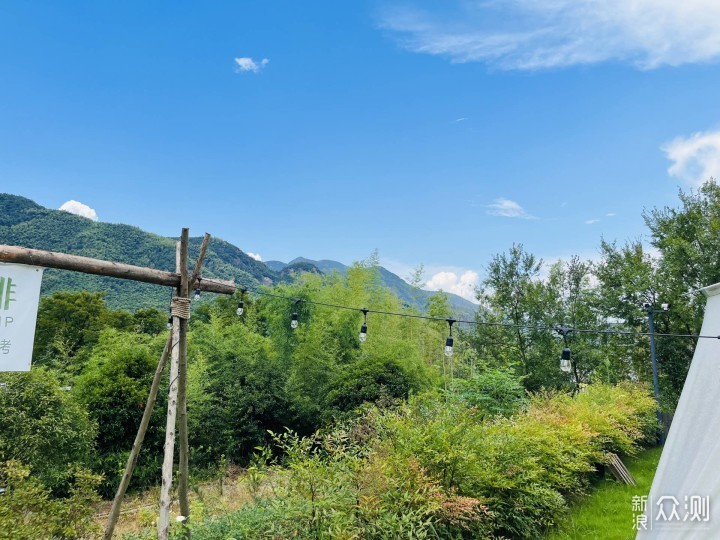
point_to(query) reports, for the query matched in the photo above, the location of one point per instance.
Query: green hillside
(25, 223)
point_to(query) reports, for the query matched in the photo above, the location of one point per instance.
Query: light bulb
(294, 321)
(197, 294)
(449, 346)
(565, 360)
(241, 308)
(363, 333)
(169, 324)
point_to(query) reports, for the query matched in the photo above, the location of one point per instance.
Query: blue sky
(436, 132)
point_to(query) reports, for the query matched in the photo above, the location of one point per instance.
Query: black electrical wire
(477, 323)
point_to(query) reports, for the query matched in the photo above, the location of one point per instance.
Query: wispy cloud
(245, 64)
(591, 221)
(255, 256)
(460, 119)
(696, 158)
(538, 34)
(79, 209)
(610, 214)
(508, 208)
(461, 284)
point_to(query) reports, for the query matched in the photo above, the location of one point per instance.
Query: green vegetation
(608, 511)
(345, 439)
(25, 223)
(432, 469)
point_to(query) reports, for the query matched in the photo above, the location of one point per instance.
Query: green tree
(113, 388)
(513, 294)
(236, 390)
(69, 326)
(42, 426)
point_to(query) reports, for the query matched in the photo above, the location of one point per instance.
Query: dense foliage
(386, 437)
(433, 468)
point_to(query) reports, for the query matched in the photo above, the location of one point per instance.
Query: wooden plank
(620, 471)
(87, 265)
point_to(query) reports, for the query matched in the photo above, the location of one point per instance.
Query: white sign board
(19, 298)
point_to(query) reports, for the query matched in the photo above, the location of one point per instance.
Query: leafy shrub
(492, 392)
(114, 388)
(28, 511)
(43, 427)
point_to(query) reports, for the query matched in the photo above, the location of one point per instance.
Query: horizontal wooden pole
(87, 265)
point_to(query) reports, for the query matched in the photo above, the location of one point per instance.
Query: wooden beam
(87, 265)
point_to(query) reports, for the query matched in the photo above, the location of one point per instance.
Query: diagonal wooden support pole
(139, 438)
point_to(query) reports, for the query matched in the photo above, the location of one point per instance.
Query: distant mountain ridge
(26, 223)
(406, 292)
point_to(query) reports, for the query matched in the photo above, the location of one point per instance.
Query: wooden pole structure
(176, 347)
(132, 460)
(86, 265)
(169, 448)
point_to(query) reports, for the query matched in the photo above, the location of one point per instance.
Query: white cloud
(696, 158)
(591, 221)
(461, 284)
(507, 208)
(79, 209)
(246, 63)
(255, 256)
(611, 214)
(538, 34)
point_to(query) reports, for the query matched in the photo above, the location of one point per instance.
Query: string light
(565, 360)
(449, 341)
(294, 319)
(241, 304)
(485, 323)
(565, 357)
(363, 328)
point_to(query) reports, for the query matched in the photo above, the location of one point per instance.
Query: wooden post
(167, 467)
(184, 469)
(132, 459)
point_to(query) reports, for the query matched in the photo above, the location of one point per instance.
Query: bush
(114, 389)
(432, 469)
(495, 391)
(28, 511)
(43, 427)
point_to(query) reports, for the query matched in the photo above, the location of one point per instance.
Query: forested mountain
(26, 223)
(406, 292)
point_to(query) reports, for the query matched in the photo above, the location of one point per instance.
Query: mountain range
(26, 223)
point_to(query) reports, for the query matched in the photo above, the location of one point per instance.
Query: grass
(607, 512)
(138, 517)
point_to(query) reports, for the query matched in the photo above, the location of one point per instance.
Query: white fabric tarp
(686, 485)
